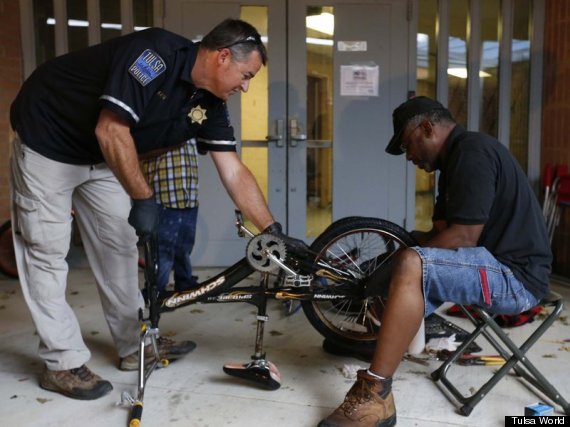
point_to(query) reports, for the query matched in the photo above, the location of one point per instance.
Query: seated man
(488, 247)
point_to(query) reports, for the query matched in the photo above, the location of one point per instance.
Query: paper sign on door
(359, 80)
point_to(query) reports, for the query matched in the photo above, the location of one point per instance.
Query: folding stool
(514, 356)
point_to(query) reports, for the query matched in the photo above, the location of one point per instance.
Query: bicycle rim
(363, 246)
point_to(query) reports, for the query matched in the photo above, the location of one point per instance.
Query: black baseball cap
(406, 111)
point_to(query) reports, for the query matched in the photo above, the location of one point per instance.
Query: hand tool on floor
(471, 359)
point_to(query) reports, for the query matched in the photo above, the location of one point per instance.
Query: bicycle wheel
(363, 247)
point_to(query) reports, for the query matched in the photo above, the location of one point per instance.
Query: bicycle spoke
(363, 252)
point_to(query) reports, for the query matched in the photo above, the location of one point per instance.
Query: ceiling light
(323, 23)
(462, 73)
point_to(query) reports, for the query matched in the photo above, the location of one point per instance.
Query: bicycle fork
(259, 370)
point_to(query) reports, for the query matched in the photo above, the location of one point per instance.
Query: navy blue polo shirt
(482, 183)
(144, 77)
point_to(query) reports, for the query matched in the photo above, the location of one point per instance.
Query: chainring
(257, 252)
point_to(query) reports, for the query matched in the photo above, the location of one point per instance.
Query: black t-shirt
(144, 77)
(481, 183)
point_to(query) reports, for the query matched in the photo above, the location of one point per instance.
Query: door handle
(295, 133)
(277, 136)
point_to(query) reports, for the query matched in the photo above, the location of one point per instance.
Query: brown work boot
(369, 403)
(167, 349)
(78, 383)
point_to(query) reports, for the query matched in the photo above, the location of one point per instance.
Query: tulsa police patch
(147, 67)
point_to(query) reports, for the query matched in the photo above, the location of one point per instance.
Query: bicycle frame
(218, 289)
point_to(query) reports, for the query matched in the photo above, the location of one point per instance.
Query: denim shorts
(471, 276)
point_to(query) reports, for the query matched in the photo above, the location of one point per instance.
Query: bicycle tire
(365, 244)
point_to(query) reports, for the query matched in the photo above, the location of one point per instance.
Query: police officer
(81, 120)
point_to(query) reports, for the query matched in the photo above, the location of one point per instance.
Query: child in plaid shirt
(174, 179)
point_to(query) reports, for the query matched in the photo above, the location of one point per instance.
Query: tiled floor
(194, 392)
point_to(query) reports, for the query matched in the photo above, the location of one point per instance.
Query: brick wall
(556, 112)
(11, 72)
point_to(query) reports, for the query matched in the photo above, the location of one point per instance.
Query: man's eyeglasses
(403, 145)
(256, 40)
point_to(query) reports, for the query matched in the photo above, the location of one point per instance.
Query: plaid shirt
(174, 176)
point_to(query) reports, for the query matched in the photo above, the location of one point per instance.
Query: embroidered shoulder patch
(147, 67)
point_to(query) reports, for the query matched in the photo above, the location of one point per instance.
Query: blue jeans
(176, 235)
(471, 276)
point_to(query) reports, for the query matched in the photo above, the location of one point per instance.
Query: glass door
(315, 121)
(348, 68)
(280, 138)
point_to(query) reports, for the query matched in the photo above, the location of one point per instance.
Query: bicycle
(341, 284)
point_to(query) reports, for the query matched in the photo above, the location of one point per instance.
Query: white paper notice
(352, 46)
(359, 80)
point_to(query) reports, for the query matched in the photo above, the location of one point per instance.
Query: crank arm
(281, 265)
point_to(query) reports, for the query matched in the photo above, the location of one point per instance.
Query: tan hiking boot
(369, 403)
(79, 383)
(167, 349)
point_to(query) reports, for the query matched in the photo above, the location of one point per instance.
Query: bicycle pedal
(259, 371)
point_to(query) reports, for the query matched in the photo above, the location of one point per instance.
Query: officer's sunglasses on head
(256, 40)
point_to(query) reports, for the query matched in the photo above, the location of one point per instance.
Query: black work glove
(144, 216)
(294, 246)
